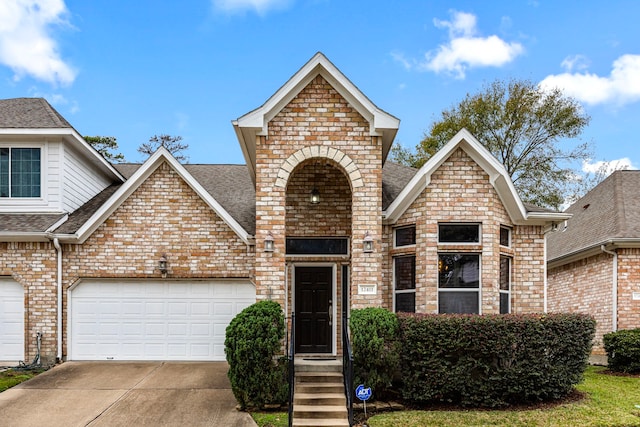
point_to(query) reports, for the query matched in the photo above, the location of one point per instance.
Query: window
(405, 236)
(458, 283)
(459, 233)
(404, 277)
(19, 172)
(505, 236)
(505, 285)
(317, 246)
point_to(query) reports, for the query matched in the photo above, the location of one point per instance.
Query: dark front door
(314, 309)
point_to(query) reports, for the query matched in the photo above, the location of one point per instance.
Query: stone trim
(318, 151)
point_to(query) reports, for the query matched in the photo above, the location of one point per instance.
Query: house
(594, 258)
(152, 261)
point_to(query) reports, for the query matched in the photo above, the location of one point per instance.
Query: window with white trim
(505, 284)
(20, 172)
(404, 279)
(459, 283)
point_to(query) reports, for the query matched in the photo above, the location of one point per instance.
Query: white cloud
(606, 168)
(26, 43)
(466, 49)
(259, 6)
(621, 87)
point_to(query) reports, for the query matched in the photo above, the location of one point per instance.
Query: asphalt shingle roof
(27, 223)
(611, 210)
(30, 113)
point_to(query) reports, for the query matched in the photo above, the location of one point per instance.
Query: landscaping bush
(623, 350)
(495, 360)
(253, 339)
(374, 337)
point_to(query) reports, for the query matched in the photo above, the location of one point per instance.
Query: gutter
(56, 244)
(553, 227)
(614, 288)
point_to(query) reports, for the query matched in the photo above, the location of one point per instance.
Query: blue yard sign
(363, 393)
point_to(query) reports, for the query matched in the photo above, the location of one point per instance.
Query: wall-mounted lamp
(367, 243)
(314, 196)
(268, 243)
(162, 266)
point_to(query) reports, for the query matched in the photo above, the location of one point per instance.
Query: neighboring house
(594, 258)
(152, 261)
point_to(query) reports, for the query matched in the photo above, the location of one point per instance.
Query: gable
(121, 194)
(497, 177)
(255, 123)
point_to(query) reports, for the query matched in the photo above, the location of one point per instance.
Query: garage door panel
(11, 320)
(154, 321)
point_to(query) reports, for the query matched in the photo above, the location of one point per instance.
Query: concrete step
(310, 422)
(315, 398)
(311, 387)
(319, 377)
(318, 365)
(320, 411)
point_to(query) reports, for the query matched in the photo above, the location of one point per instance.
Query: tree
(106, 145)
(524, 127)
(171, 143)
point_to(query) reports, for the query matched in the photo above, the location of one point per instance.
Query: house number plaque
(367, 289)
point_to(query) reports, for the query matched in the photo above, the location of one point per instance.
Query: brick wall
(318, 124)
(163, 216)
(33, 265)
(460, 191)
(584, 286)
(628, 283)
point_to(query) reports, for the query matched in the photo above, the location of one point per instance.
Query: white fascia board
(137, 179)
(24, 236)
(71, 136)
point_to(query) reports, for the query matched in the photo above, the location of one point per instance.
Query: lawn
(609, 400)
(10, 377)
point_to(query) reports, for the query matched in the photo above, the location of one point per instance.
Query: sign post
(363, 394)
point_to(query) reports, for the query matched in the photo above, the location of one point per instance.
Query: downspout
(614, 288)
(56, 244)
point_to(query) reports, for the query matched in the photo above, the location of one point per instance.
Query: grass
(10, 377)
(610, 400)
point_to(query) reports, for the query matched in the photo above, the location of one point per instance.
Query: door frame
(334, 305)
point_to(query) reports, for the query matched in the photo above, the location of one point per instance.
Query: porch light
(315, 196)
(268, 243)
(162, 266)
(367, 243)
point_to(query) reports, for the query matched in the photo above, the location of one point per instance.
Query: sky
(134, 69)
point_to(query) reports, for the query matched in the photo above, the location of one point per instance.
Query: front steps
(319, 399)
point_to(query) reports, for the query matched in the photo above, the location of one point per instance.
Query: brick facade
(318, 124)
(459, 192)
(584, 286)
(317, 139)
(164, 216)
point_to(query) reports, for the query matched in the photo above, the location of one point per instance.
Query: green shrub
(253, 339)
(623, 350)
(493, 361)
(374, 336)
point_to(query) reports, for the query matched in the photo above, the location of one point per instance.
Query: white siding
(82, 180)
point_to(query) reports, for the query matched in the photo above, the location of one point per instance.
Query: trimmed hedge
(253, 339)
(623, 350)
(374, 336)
(493, 360)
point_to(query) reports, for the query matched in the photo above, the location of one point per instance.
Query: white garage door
(11, 321)
(166, 320)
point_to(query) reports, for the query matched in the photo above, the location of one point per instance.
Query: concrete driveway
(128, 394)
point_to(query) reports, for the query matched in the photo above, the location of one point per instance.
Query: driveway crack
(124, 395)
